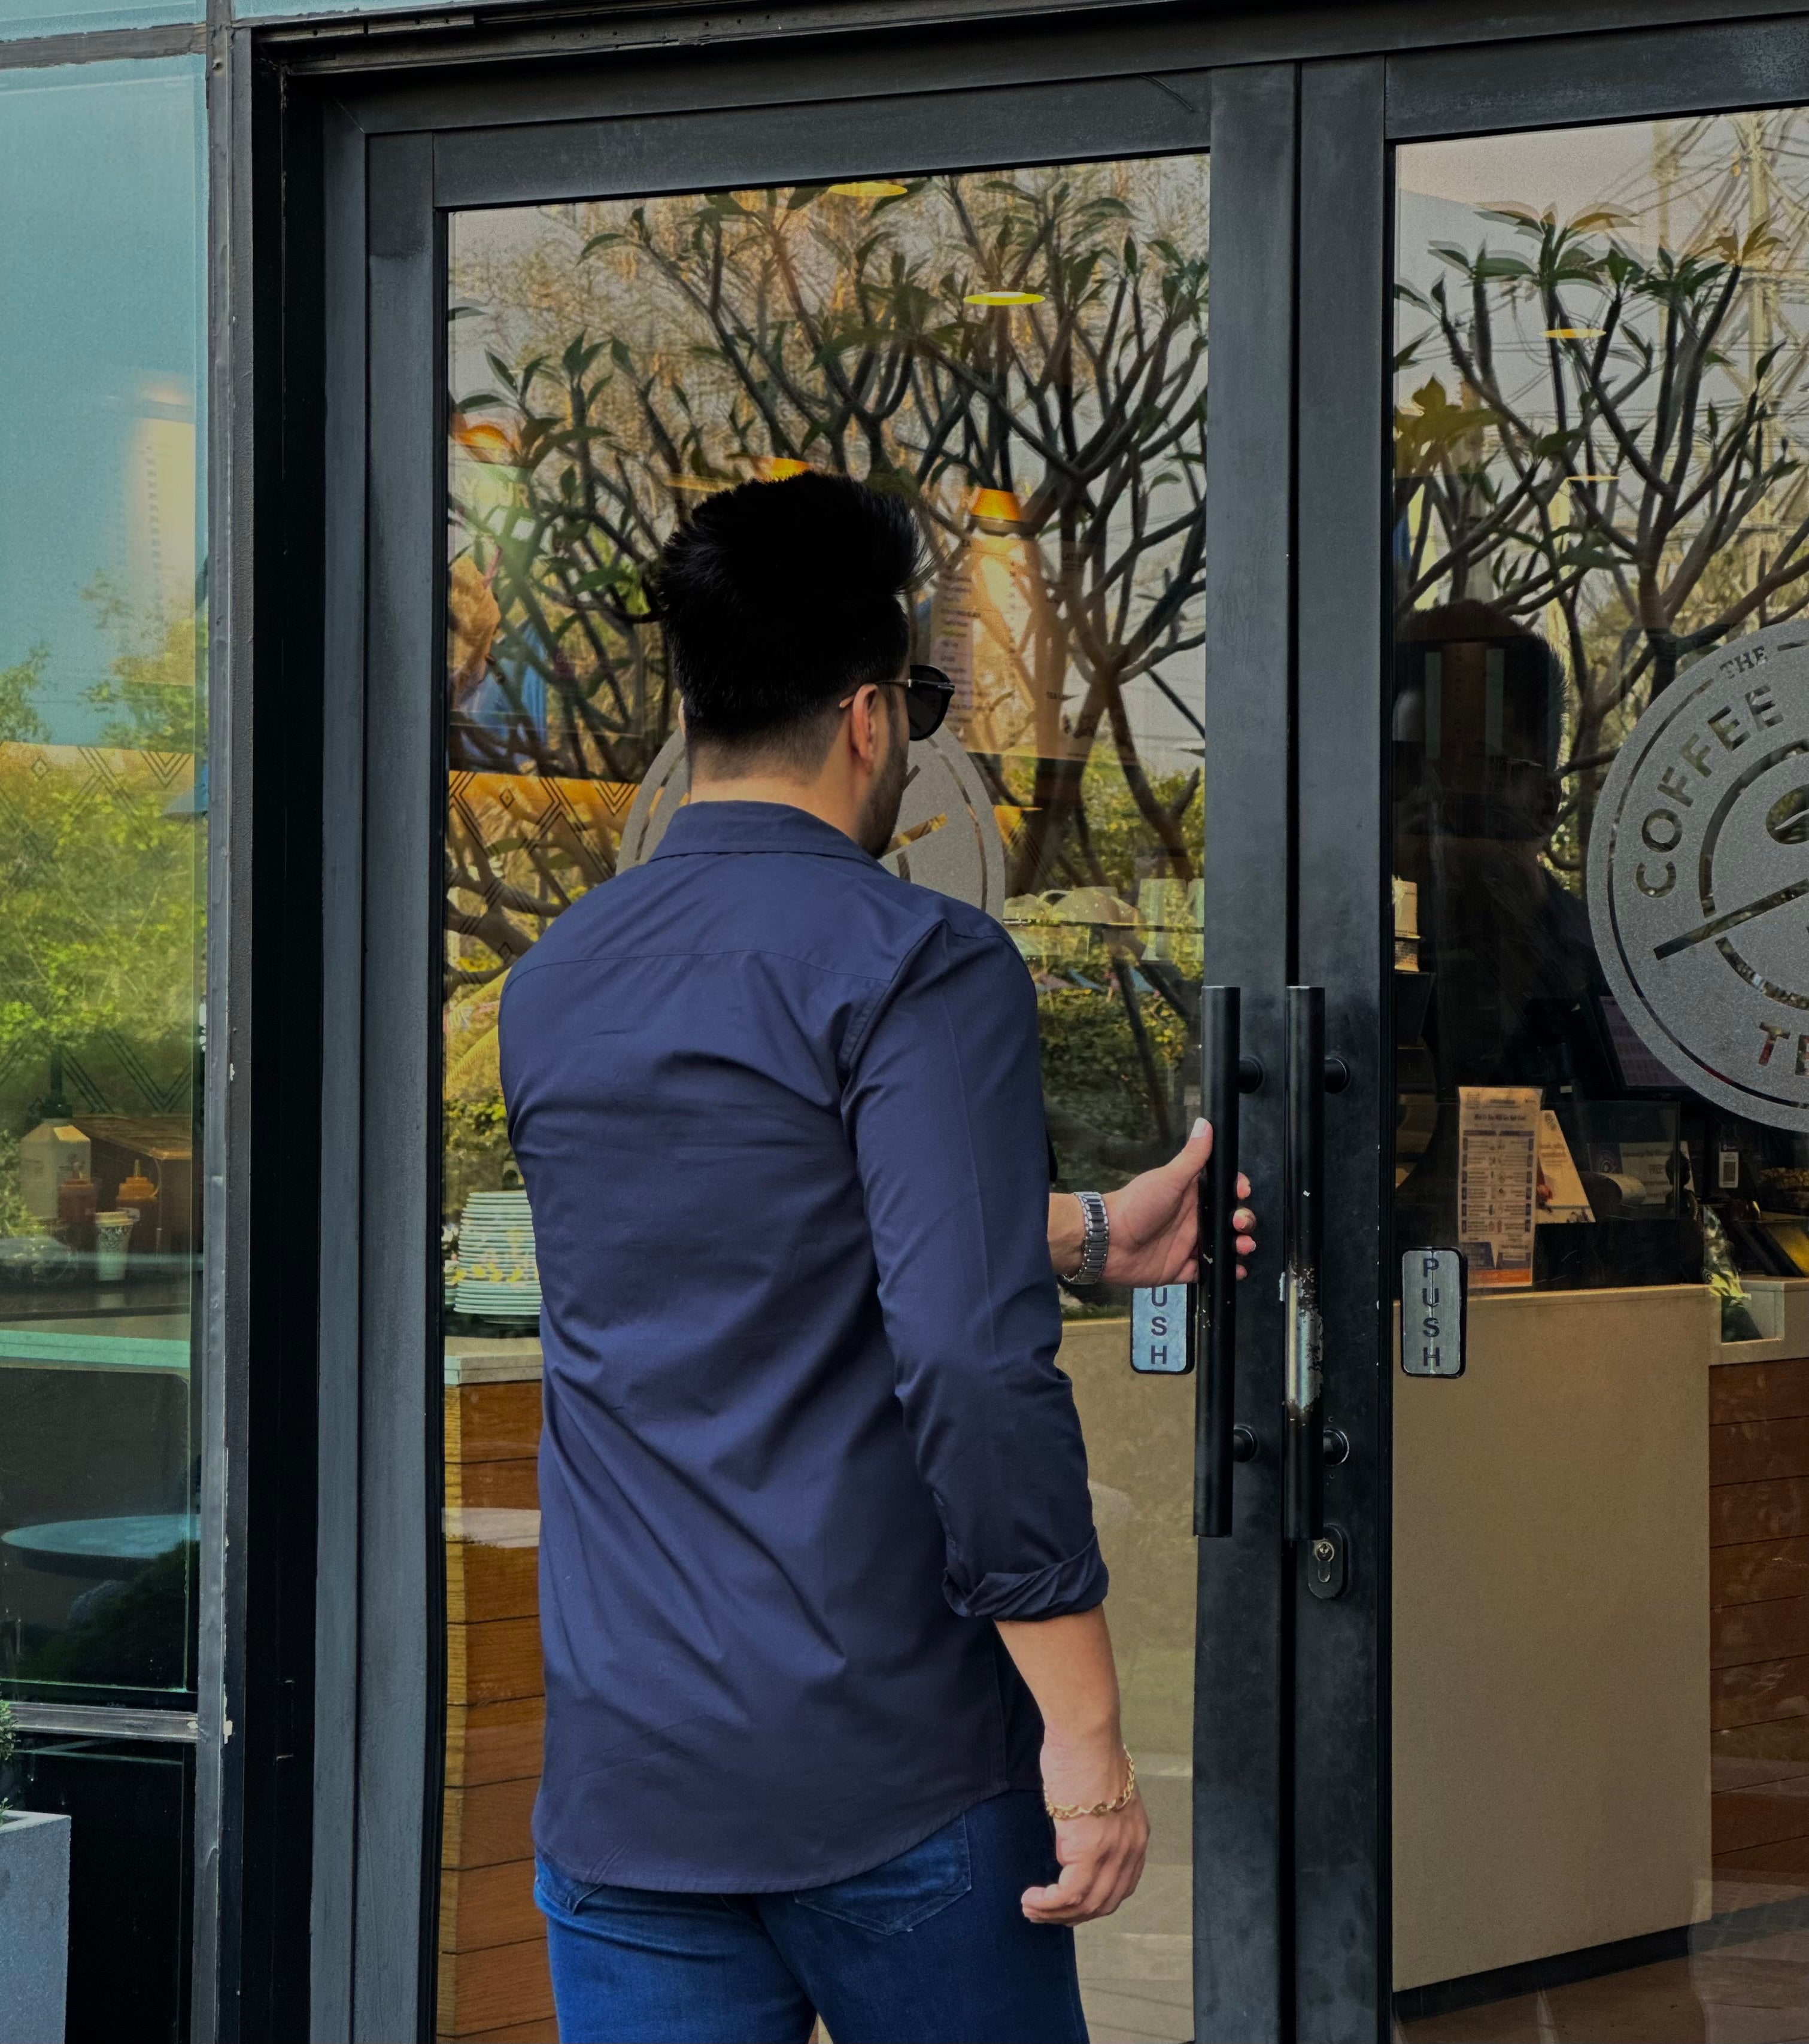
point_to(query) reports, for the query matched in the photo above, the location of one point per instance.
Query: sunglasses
(928, 692)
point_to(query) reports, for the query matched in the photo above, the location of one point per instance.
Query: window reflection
(1021, 354)
(131, 1810)
(1600, 1579)
(102, 840)
(47, 18)
(1600, 407)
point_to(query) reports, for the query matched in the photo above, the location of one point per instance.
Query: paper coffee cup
(112, 1234)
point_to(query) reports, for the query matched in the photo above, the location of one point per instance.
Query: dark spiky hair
(779, 598)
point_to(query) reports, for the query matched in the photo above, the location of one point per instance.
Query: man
(816, 1538)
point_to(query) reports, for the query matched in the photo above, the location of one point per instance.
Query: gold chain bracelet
(1063, 1813)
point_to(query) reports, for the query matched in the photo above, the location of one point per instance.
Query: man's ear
(865, 740)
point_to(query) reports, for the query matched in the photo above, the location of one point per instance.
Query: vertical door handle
(1303, 1200)
(1215, 1293)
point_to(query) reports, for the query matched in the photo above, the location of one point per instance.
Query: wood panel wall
(1759, 1626)
(493, 1982)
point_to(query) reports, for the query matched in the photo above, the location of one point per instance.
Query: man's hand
(1067, 1663)
(1101, 1858)
(1154, 1222)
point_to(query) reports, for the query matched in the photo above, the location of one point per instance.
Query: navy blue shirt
(780, 1119)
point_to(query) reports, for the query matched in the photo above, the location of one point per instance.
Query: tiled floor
(1742, 1986)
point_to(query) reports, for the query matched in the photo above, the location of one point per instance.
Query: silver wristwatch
(1096, 1241)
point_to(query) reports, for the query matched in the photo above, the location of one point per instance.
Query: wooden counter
(493, 1981)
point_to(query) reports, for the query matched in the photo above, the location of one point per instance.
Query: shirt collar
(703, 828)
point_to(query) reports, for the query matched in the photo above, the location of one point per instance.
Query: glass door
(1600, 576)
(1021, 353)
(1484, 1721)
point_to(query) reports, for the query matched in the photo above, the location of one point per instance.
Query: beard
(879, 811)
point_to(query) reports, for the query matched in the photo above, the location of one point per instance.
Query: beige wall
(1551, 1680)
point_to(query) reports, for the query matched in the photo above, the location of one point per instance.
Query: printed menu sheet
(1498, 1169)
(1561, 1197)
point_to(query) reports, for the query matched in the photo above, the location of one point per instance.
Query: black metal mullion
(337, 1688)
(1241, 1960)
(1646, 74)
(1341, 1644)
(892, 34)
(518, 165)
(218, 1382)
(400, 1575)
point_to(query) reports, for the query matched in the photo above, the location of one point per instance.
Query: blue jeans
(931, 1948)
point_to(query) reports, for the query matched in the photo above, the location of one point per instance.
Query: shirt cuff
(1063, 1588)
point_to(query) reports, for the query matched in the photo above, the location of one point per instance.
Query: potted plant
(34, 1907)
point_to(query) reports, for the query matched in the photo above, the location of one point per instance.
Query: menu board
(1498, 1168)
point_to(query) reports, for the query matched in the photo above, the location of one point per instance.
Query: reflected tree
(1594, 451)
(1004, 351)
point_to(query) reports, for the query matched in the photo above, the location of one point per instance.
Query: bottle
(76, 1211)
(137, 1193)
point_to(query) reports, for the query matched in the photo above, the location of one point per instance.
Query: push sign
(1161, 1330)
(1432, 1312)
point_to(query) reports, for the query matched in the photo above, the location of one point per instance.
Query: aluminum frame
(1241, 1928)
(1293, 1796)
(1343, 910)
(388, 192)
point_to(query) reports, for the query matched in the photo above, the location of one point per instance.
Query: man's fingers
(1246, 1245)
(1243, 1220)
(1243, 1186)
(1085, 1891)
(1066, 1902)
(1101, 1867)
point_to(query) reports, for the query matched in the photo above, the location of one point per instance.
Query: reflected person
(821, 1601)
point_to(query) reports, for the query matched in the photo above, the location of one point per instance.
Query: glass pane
(1601, 1694)
(252, 10)
(34, 17)
(103, 844)
(130, 1807)
(1022, 353)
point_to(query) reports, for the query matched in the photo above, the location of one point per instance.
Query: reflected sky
(102, 269)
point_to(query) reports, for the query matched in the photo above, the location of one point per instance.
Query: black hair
(780, 598)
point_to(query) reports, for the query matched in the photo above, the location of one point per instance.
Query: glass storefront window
(44, 17)
(253, 10)
(1602, 1721)
(130, 1805)
(103, 846)
(1022, 354)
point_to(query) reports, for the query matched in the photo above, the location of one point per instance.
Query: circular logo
(947, 837)
(1698, 877)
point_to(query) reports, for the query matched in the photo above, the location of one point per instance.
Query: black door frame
(389, 190)
(371, 146)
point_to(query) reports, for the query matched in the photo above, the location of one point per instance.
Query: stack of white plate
(498, 1278)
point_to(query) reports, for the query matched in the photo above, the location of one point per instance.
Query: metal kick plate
(1161, 1330)
(1432, 1295)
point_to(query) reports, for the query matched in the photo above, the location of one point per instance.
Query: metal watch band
(1095, 1240)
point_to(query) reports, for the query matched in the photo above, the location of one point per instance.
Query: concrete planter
(34, 1927)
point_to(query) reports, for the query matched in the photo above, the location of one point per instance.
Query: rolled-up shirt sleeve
(943, 1103)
